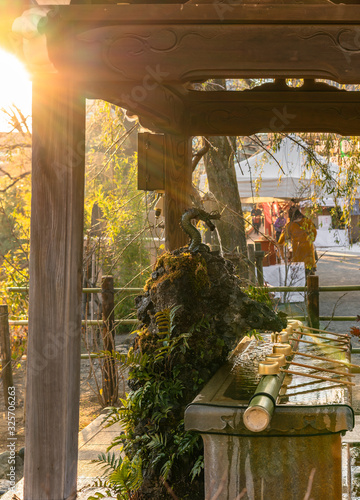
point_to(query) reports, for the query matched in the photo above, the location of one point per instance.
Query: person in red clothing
(301, 233)
(256, 214)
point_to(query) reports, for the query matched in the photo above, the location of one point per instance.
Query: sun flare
(15, 88)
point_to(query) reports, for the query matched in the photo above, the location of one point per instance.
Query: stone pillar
(178, 173)
(53, 359)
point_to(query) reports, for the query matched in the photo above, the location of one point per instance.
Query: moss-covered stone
(204, 285)
(213, 308)
(173, 267)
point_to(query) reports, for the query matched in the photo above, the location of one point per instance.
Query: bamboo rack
(323, 358)
(320, 377)
(312, 367)
(325, 331)
(319, 336)
(319, 344)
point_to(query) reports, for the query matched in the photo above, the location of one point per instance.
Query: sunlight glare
(15, 88)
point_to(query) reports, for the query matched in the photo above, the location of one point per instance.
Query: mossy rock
(210, 304)
(204, 285)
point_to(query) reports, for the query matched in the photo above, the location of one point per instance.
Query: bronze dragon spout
(195, 237)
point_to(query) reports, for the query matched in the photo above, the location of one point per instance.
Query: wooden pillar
(259, 257)
(313, 306)
(178, 173)
(251, 261)
(5, 351)
(53, 359)
(109, 375)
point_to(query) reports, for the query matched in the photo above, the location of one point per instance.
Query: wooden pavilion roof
(144, 57)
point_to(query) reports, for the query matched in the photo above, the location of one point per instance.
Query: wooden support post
(109, 376)
(178, 173)
(313, 301)
(259, 257)
(53, 359)
(5, 351)
(251, 257)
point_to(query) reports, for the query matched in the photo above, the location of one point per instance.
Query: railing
(319, 289)
(316, 289)
(87, 322)
(107, 322)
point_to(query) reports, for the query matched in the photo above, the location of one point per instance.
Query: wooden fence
(106, 324)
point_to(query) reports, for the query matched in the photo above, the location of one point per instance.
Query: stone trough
(297, 456)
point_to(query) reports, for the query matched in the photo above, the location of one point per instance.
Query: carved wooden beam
(269, 108)
(140, 59)
(249, 112)
(159, 108)
(180, 43)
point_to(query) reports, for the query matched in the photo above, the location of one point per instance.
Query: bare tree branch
(6, 173)
(15, 146)
(199, 154)
(259, 143)
(14, 182)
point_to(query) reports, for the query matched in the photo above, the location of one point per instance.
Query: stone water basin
(297, 456)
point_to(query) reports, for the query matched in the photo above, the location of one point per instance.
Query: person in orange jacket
(301, 233)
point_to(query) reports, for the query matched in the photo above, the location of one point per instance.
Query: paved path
(339, 269)
(335, 269)
(93, 440)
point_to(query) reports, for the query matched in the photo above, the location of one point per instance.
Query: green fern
(152, 434)
(166, 468)
(97, 496)
(108, 461)
(127, 478)
(162, 320)
(197, 467)
(124, 476)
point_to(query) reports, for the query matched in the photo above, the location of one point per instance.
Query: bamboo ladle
(324, 331)
(319, 336)
(319, 344)
(273, 368)
(280, 358)
(286, 349)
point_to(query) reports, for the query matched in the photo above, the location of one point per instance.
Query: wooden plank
(209, 13)
(5, 351)
(109, 382)
(271, 108)
(53, 361)
(151, 162)
(249, 112)
(246, 42)
(178, 173)
(313, 305)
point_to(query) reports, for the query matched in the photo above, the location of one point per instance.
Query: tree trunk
(220, 169)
